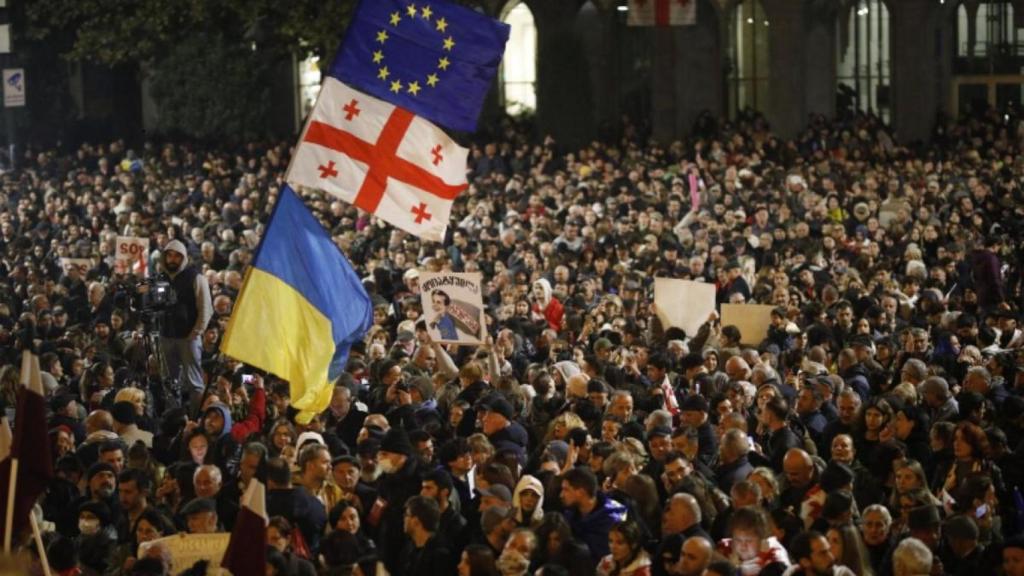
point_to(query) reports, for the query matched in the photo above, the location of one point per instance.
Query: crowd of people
(874, 429)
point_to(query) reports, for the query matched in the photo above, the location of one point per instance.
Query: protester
(876, 421)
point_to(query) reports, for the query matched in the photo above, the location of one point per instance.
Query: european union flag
(301, 307)
(436, 59)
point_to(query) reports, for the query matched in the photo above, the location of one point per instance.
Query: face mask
(387, 466)
(88, 527)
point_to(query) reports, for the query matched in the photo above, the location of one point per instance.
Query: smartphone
(980, 511)
(246, 378)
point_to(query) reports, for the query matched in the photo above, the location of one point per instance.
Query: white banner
(187, 549)
(683, 303)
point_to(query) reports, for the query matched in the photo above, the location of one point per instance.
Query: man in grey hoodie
(185, 321)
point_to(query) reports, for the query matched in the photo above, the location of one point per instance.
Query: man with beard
(186, 320)
(101, 487)
(813, 557)
(400, 481)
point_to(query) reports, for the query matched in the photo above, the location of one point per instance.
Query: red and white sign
(132, 253)
(662, 13)
(381, 158)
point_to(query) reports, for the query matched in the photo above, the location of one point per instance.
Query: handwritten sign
(187, 549)
(131, 254)
(453, 306)
(683, 303)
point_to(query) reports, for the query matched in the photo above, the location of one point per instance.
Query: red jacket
(254, 420)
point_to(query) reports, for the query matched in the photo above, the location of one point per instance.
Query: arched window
(749, 73)
(309, 85)
(862, 73)
(519, 66)
(994, 30)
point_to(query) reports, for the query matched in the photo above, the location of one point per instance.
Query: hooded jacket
(593, 528)
(550, 307)
(225, 448)
(531, 483)
(193, 307)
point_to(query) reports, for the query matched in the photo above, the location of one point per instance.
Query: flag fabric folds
(662, 13)
(381, 158)
(301, 307)
(436, 59)
(246, 551)
(30, 446)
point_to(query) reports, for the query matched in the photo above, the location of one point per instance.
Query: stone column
(564, 102)
(698, 68)
(917, 78)
(787, 41)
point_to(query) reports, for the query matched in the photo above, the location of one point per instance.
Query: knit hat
(99, 467)
(97, 509)
(835, 476)
(396, 441)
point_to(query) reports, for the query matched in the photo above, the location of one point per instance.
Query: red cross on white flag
(662, 12)
(381, 158)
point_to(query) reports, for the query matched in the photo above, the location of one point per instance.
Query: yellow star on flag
(382, 36)
(395, 18)
(442, 24)
(414, 88)
(383, 73)
(411, 10)
(396, 86)
(378, 56)
(427, 12)
(431, 80)
(443, 63)
(449, 43)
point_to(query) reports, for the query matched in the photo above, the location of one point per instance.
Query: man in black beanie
(401, 480)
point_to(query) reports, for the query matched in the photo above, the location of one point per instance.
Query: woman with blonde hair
(768, 483)
(561, 426)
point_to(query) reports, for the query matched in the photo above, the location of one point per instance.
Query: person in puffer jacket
(589, 513)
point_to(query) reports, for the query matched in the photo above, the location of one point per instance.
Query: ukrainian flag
(300, 309)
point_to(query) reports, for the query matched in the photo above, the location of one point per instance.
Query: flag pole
(11, 489)
(39, 545)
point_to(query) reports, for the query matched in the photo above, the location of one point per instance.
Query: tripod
(167, 388)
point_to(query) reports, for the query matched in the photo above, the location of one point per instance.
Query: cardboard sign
(453, 306)
(187, 549)
(753, 320)
(683, 303)
(131, 254)
(83, 265)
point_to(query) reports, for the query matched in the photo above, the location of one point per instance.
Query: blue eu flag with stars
(434, 58)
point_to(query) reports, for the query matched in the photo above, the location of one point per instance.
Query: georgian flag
(246, 551)
(662, 13)
(382, 158)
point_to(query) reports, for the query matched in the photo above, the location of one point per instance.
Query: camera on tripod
(149, 296)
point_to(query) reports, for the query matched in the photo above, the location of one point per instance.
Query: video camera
(149, 295)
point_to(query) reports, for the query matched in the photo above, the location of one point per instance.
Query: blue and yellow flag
(436, 59)
(301, 307)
